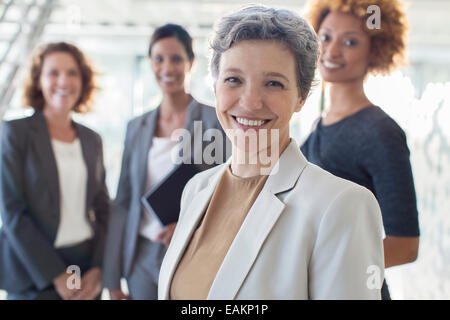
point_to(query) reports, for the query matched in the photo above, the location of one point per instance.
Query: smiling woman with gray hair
(279, 230)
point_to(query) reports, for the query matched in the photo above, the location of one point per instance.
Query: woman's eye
(232, 80)
(73, 73)
(350, 42)
(177, 59)
(275, 84)
(157, 59)
(324, 37)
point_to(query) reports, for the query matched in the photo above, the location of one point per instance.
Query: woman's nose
(167, 66)
(332, 49)
(251, 98)
(63, 79)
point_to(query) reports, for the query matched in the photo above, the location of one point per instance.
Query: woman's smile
(246, 123)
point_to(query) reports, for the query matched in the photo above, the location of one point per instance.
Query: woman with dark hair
(354, 139)
(54, 202)
(137, 241)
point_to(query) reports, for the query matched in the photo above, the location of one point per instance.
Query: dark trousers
(385, 295)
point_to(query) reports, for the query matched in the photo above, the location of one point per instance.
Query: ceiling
(429, 18)
(125, 23)
(156, 12)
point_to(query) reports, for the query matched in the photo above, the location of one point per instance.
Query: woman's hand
(117, 294)
(60, 284)
(91, 285)
(166, 234)
(400, 250)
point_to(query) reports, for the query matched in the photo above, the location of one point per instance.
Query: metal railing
(17, 44)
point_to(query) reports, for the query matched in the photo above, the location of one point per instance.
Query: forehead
(259, 56)
(341, 22)
(168, 45)
(60, 59)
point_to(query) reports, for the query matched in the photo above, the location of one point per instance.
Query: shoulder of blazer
(19, 129)
(135, 123)
(321, 189)
(88, 132)
(208, 115)
(17, 123)
(206, 109)
(324, 180)
(21, 123)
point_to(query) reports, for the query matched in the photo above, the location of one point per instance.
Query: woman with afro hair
(353, 138)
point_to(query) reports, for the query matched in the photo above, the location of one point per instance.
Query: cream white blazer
(308, 235)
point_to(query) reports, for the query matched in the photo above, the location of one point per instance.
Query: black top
(370, 149)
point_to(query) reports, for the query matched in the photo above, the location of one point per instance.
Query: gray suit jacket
(30, 202)
(126, 210)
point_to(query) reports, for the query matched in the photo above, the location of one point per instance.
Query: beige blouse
(229, 205)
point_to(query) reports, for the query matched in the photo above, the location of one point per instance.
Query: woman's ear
(300, 103)
(191, 63)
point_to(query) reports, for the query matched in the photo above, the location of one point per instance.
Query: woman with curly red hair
(355, 139)
(53, 198)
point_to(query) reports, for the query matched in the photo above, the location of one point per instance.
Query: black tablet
(163, 200)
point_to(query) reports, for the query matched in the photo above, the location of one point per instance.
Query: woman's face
(170, 63)
(256, 88)
(60, 81)
(345, 53)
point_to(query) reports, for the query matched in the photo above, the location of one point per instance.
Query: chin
(172, 90)
(340, 76)
(62, 107)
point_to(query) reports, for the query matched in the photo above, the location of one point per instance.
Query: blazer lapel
(185, 230)
(246, 246)
(194, 143)
(257, 226)
(90, 158)
(43, 147)
(193, 113)
(147, 131)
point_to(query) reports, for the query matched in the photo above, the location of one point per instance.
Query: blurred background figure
(137, 241)
(354, 139)
(54, 201)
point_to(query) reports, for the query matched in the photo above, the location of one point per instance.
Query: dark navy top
(370, 149)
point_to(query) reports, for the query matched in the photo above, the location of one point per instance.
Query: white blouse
(74, 226)
(159, 164)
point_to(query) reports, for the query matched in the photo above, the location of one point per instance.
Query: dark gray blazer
(30, 202)
(126, 208)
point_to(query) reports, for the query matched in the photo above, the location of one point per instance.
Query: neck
(174, 104)
(59, 119)
(245, 164)
(347, 98)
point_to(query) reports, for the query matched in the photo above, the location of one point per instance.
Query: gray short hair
(264, 23)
